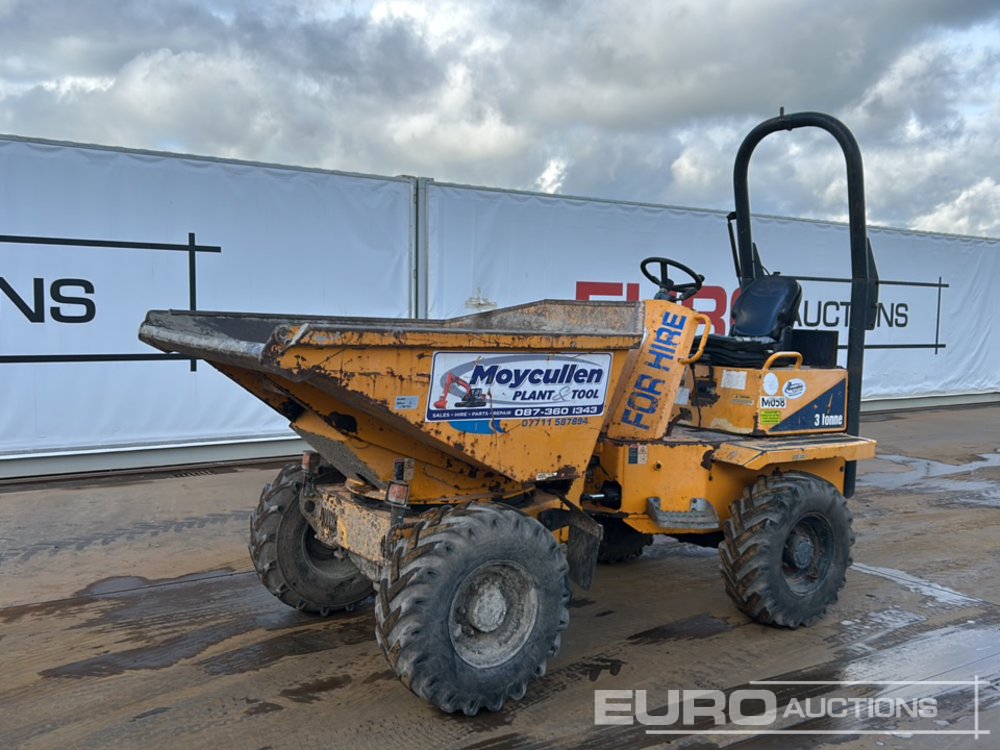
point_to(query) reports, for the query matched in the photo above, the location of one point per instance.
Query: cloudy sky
(623, 99)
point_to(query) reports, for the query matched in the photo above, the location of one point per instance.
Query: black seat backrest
(767, 306)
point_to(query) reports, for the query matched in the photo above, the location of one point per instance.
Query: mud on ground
(130, 616)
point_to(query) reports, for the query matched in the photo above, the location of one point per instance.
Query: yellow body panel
(691, 466)
(372, 446)
(642, 409)
(398, 385)
(778, 400)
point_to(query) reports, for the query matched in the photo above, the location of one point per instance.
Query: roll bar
(864, 275)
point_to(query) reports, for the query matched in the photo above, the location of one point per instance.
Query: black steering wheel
(668, 289)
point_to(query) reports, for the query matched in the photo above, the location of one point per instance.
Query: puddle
(130, 597)
(866, 632)
(691, 628)
(123, 584)
(158, 656)
(256, 707)
(310, 692)
(924, 476)
(941, 595)
(601, 665)
(157, 623)
(955, 649)
(359, 629)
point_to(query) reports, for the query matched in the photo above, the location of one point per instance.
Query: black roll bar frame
(864, 276)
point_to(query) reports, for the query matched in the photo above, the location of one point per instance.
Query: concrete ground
(130, 616)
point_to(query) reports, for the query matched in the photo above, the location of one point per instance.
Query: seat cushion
(733, 352)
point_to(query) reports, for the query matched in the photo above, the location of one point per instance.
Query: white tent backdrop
(291, 241)
(277, 239)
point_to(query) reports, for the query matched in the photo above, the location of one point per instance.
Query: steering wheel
(668, 289)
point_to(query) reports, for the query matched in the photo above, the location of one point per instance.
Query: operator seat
(763, 317)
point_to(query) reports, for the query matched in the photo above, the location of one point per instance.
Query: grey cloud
(97, 37)
(642, 101)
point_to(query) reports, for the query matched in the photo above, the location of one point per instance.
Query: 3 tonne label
(484, 385)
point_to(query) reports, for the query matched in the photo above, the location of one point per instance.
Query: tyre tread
(745, 566)
(402, 602)
(265, 522)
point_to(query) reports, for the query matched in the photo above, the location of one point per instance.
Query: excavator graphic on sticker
(474, 397)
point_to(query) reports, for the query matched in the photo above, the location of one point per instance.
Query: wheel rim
(807, 554)
(324, 560)
(492, 614)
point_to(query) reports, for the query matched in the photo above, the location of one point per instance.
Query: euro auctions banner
(935, 334)
(91, 238)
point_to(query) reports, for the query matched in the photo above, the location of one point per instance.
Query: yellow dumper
(470, 468)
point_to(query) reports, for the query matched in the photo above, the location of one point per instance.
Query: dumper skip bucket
(521, 393)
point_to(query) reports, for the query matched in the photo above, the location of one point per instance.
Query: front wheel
(471, 606)
(786, 549)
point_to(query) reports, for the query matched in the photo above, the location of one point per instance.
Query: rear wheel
(786, 549)
(289, 560)
(472, 605)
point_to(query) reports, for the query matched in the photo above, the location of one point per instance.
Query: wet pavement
(129, 616)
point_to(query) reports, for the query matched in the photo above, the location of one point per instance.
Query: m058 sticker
(483, 385)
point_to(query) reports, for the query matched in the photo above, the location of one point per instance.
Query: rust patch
(706, 459)
(341, 520)
(704, 393)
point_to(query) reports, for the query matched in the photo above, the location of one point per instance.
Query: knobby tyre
(786, 549)
(289, 560)
(472, 605)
